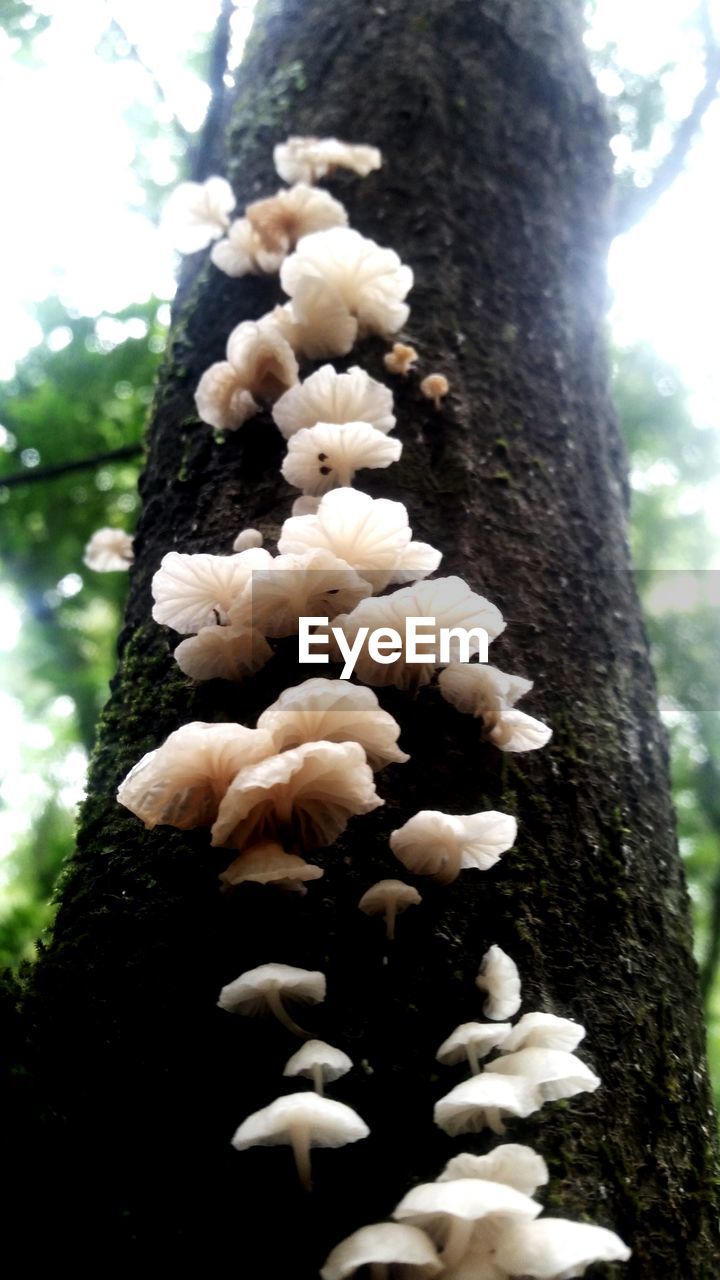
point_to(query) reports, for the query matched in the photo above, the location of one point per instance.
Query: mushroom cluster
(290, 785)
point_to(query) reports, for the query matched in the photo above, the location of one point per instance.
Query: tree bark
(495, 189)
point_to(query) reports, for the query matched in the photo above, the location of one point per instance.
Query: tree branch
(708, 793)
(156, 84)
(36, 474)
(201, 156)
(636, 203)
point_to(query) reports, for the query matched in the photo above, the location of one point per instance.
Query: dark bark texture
(495, 189)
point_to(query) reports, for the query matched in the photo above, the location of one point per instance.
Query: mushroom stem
(317, 1075)
(472, 1058)
(494, 1121)
(457, 1242)
(282, 1015)
(300, 1140)
(390, 916)
(378, 1271)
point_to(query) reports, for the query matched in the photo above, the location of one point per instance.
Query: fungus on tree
(472, 1041)
(241, 252)
(182, 782)
(268, 863)
(389, 898)
(452, 1212)
(511, 1163)
(313, 583)
(223, 653)
(484, 1101)
(556, 1249)
(499, 977)
(438, 844)
(266, 988)
(435, 387)
(192, 591)
(308, 793)
(387, 1248)
(319, 1062)
(260, 365)
(371, 280)
(554, 1073)
(281, 220)
(327, 455)
(329, 396)
(197, 213)
(316, 323)
(248, 538)
(544, 1031)
(305, 159)
(490, 694)
(333, 711)
(302, 1121)
(109, 551)
(401, 359)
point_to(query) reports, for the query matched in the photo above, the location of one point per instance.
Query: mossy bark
(495, 189)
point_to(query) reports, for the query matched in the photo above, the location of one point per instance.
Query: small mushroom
(268, 863)
(389, 898)
(435, 387)
(319, 1062)
(248, 538)
(552, 1072)
(472, 1040)
(302, 1121)
(264, 988)
(514, 1165)
(554, 1248)
(544, 1031)
(450, 1212)
(482, 1102)
(385, 1247)
(500, 978)
(400, 359)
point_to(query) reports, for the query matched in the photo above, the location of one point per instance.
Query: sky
(75, 222)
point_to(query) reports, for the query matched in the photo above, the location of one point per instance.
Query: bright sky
(73, 220)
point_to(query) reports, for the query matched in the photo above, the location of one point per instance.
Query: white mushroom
(221, 398)
(388, 1249)
(400, 359)
(514, 1165)
(198, 212)
(490, 694)
(448, 604)
(555, 1249)
(554, 1073)
(264, 989)
(327, 455)
(499, 976)
(242, 252)
(371, 281)
(108, 551)
(281, 220)
(301, 159)
(309, 792)
(182, 782)
(196, 591)
(371, 534)
(389, 898)
(263, 360)
(472, 1040)
(544, 1031)
(268, 863)
(314, 583)
(223, 653)
(248, 538)
(442, 844)
(305, 505)
(435, 387)
(482, 1102)
(451, 1212)
(333, 711)
(329, 396)
(302, 1121)
(320, 1062)
(316, 323)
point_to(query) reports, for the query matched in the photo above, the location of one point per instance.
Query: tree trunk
(495, 189)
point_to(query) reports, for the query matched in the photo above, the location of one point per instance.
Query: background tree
(520, 475)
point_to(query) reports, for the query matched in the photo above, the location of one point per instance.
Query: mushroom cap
(223, 653)
(376, 900)
(316, 1053)
(268, 863)
(333, 711)
(248, 993)
(431, 1204)
(483, 1036)
(555, 1249)
(407, 1249)
(248, 538)
(479, 689)
(317, 323)
(554, 1073)
(109, 550)
(544, 1031)
(511, 1163)
(328, 1123)
(301, 159)
(192, 591)
(281, 220)
(372, 281)
(443, 844)
(314, 584)
(464, 1108)
(222, 399)
(198, 212)
(262, 358)
(305, 505)
(499, 976)
(241, 251)
(516, 731)
(371, 534)
(329, 396)
(435, 386)
(182, 782)
(401, 358)
(327, 455)
(313, 790)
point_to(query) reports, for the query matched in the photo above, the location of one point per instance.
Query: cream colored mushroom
(511, 1163)
(451, 1211)
(400, 359)
(333, 711)
(389, 898)
(435, 387)
(441, 845)
(268, 863)
(556, 1249)
(483, 1101)
(302, 1121)
(265, 988)
(320, 1062)
(472, 1040)
(387, 1248)
(499, 976)
(554, 1073)
(544, 1031)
